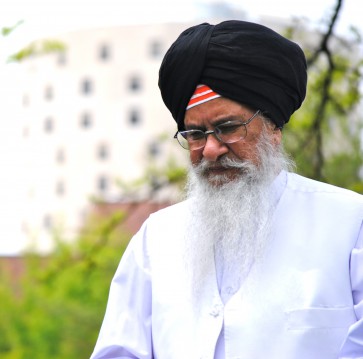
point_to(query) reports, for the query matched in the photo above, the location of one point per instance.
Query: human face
(212, 113)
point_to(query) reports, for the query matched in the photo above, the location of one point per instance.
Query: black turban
(245, 62)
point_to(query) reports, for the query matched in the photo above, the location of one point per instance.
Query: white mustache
(225, 163)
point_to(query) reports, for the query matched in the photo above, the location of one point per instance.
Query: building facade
(92, 116)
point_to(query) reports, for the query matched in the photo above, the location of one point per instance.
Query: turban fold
(245, 62)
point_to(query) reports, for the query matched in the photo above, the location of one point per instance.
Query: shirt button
(216, 311)
(230, 290)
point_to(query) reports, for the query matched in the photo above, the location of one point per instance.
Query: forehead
(214, 110)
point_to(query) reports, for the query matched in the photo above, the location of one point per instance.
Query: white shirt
(304, 301)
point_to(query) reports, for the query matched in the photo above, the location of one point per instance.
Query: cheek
(245, 151)
(195, 157)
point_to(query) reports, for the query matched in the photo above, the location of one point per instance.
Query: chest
(297, 301)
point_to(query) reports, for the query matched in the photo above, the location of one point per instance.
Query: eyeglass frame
(209, 132)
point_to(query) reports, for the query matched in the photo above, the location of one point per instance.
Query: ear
(277, 136)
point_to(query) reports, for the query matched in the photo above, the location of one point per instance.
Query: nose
(214, 148)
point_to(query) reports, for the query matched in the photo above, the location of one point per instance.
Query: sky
(44, 18)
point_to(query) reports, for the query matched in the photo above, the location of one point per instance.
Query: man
(258, 262)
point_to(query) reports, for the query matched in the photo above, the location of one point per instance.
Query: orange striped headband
(202, 94)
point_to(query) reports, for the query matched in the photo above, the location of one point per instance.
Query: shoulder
(170, 214)
(167, 217)
(313, 188)
(299, 183)
(163, 232)
(158, 228)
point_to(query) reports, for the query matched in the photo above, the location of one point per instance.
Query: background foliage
(57, 308)
(324, 136)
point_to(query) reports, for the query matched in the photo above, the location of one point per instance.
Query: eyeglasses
(227, 132)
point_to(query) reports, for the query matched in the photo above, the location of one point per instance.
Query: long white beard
(230, 223)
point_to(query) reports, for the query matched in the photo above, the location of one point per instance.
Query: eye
(229, 127)
(194, 135)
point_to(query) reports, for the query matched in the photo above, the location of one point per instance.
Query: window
(86, 120)
(48, 125)
(104, 52)
(154, 149)
(25, 100)
(47, 221)
(135, 83)
(25, 132)
(156, 49)
(61, 58)
(86, 86)
(48, 93)
(102, 184)
(60, 188)
(103, 151)
(134, 117)
(60, 156)
(24, 227)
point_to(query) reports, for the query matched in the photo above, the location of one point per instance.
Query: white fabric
(304, 301)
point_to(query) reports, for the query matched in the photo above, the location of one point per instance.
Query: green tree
(324, 135)
(35, 48)
(57, 308)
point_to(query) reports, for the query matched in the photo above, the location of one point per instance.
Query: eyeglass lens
(227, 133)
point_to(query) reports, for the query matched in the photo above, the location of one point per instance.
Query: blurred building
(92, 116)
